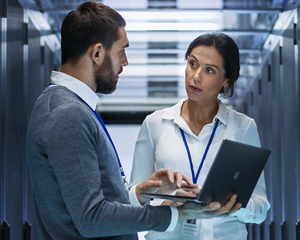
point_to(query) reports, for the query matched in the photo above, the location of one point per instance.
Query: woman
(212, 69)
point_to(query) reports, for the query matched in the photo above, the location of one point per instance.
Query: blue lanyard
(195, 178)
(107, 134)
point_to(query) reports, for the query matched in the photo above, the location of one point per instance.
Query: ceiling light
(152, 26)
(168, 15)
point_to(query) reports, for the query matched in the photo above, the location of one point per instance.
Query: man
(77, 185)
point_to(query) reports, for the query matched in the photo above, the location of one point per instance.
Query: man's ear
(97, 53)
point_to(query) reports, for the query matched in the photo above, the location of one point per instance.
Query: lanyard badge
(191, 227)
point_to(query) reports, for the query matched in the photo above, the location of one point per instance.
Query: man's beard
(106, 79)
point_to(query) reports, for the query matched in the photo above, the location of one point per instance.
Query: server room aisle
(268, 91)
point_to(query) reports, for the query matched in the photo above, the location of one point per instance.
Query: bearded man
(76, 175)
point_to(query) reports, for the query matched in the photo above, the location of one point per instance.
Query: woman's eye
(193, 64)
(210, 70)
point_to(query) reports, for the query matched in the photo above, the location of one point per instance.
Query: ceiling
(159, 32)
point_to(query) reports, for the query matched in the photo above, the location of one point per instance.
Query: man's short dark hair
(90, 23)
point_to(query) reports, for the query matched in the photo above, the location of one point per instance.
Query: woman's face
(204, 74)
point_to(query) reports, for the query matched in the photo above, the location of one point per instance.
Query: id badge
(190, 227)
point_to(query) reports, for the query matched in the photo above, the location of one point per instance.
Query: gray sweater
(77, 187)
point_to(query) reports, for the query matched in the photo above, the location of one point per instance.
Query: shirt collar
(222, 113)
(173, 113)
(78, 87)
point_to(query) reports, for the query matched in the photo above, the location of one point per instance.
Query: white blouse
(160, 145)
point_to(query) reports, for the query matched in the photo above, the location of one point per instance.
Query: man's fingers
(152, 186)
(178, 177)
(192, 188)
(174, 177)
(184, 185)
(185, 193)
(187, 180)
(170, 175)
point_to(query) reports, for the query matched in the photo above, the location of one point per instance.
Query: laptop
(235, 170)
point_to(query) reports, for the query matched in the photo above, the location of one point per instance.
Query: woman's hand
(190, 210)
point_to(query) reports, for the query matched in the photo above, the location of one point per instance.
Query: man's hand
(190, 210)
(188, 192)
(163, 181)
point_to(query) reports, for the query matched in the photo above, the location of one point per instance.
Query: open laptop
(235, 170)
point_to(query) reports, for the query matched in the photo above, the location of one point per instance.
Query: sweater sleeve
(95, 203)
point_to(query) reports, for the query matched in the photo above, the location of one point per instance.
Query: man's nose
(125, 61)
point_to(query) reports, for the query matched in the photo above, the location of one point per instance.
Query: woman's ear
(226, 84)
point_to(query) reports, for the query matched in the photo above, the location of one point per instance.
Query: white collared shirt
(78, 87)
(160, 145)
